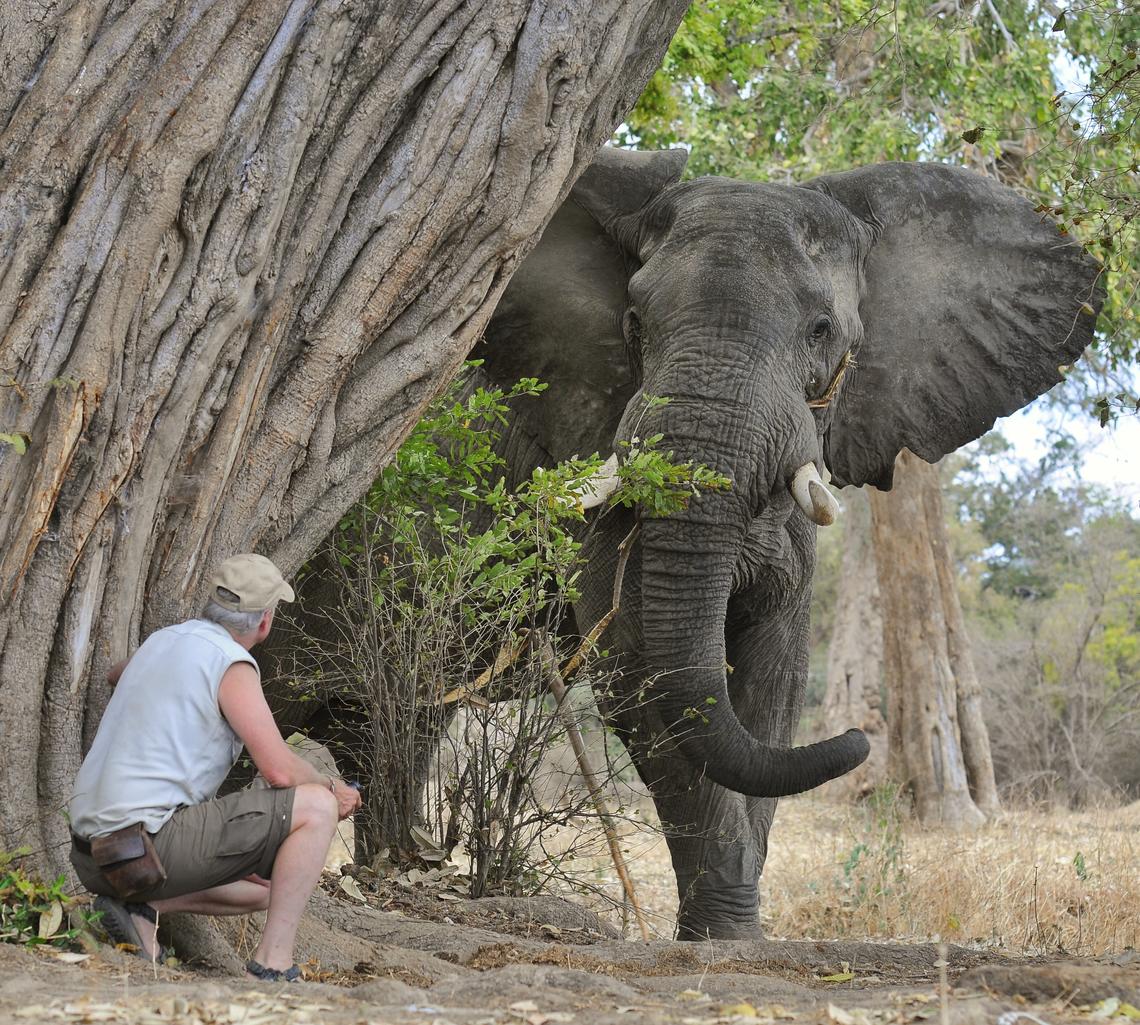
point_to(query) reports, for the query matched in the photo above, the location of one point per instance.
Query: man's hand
(348, 799)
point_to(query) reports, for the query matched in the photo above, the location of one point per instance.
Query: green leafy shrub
(452, 582)
(33, 912)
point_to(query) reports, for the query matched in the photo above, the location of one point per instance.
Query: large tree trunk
(242, 244)
(939, 747)
(855, 654)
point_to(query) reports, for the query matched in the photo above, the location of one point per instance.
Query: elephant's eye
(821, 329)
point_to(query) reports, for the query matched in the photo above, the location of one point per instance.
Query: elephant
(794, 330)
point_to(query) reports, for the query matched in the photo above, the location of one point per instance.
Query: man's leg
(296, 870)
(239, 898)
(297, 867)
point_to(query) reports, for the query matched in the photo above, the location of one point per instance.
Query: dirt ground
(544, 960)
(424, 953)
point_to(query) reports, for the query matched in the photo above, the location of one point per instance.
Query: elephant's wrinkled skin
(740, 303)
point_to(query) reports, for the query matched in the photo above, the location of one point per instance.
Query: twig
(558, 688)
(824, 400)
(508, 655)
(1009, 43)
(588, 642)
(943, 984)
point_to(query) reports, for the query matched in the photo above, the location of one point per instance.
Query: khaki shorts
(210, 844)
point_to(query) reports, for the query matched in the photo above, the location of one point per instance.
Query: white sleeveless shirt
(163, 742)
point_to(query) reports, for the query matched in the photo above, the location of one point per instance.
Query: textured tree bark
(242, 244)
(939, 747)
(855, 654)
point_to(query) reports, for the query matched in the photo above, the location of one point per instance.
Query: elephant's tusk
(818, 504)
(601, 485)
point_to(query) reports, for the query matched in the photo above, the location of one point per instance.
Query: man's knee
(315, 806)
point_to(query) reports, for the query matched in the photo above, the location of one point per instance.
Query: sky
(1112, 454)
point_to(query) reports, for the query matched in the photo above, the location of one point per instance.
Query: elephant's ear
(972, 301)
(560, 319)
(619, 182)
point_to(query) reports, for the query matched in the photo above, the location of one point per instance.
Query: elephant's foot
(692, 929)
(720, 909)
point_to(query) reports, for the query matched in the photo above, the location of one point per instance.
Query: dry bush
(1050, 584)
(1062, 683)
(453, 751)
(445, 588)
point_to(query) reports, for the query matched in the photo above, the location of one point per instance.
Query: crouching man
(148, 834)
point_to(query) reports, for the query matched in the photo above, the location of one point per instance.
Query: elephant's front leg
(712, 843)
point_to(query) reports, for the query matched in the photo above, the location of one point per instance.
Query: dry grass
(1028, 883)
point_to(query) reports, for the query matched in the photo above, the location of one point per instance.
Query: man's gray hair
(235, 622)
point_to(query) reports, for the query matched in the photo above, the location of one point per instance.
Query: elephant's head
(829, 325)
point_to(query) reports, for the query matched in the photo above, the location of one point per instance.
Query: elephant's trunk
(687, 564)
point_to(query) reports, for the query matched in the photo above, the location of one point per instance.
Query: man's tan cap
(256, 582)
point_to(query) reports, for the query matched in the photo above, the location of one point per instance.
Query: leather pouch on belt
(128, 860)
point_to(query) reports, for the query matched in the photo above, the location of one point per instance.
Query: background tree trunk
(242, 244)
(939, 747)
(855, 654)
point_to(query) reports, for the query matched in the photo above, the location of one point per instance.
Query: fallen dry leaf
(69, 956)
(352, 888)
(692, 994)
(51, 920)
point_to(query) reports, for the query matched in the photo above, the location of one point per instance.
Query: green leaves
(460, 537)
(19, 442)
(32, 912)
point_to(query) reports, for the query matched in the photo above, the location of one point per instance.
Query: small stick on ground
(943, 984)
(559, 689)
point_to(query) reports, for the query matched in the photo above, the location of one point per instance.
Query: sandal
(119, 925)
(259, 971)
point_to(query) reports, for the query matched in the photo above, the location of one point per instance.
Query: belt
(81, 845)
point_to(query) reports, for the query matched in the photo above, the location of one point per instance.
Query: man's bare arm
(242, 702)
(116, 671)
